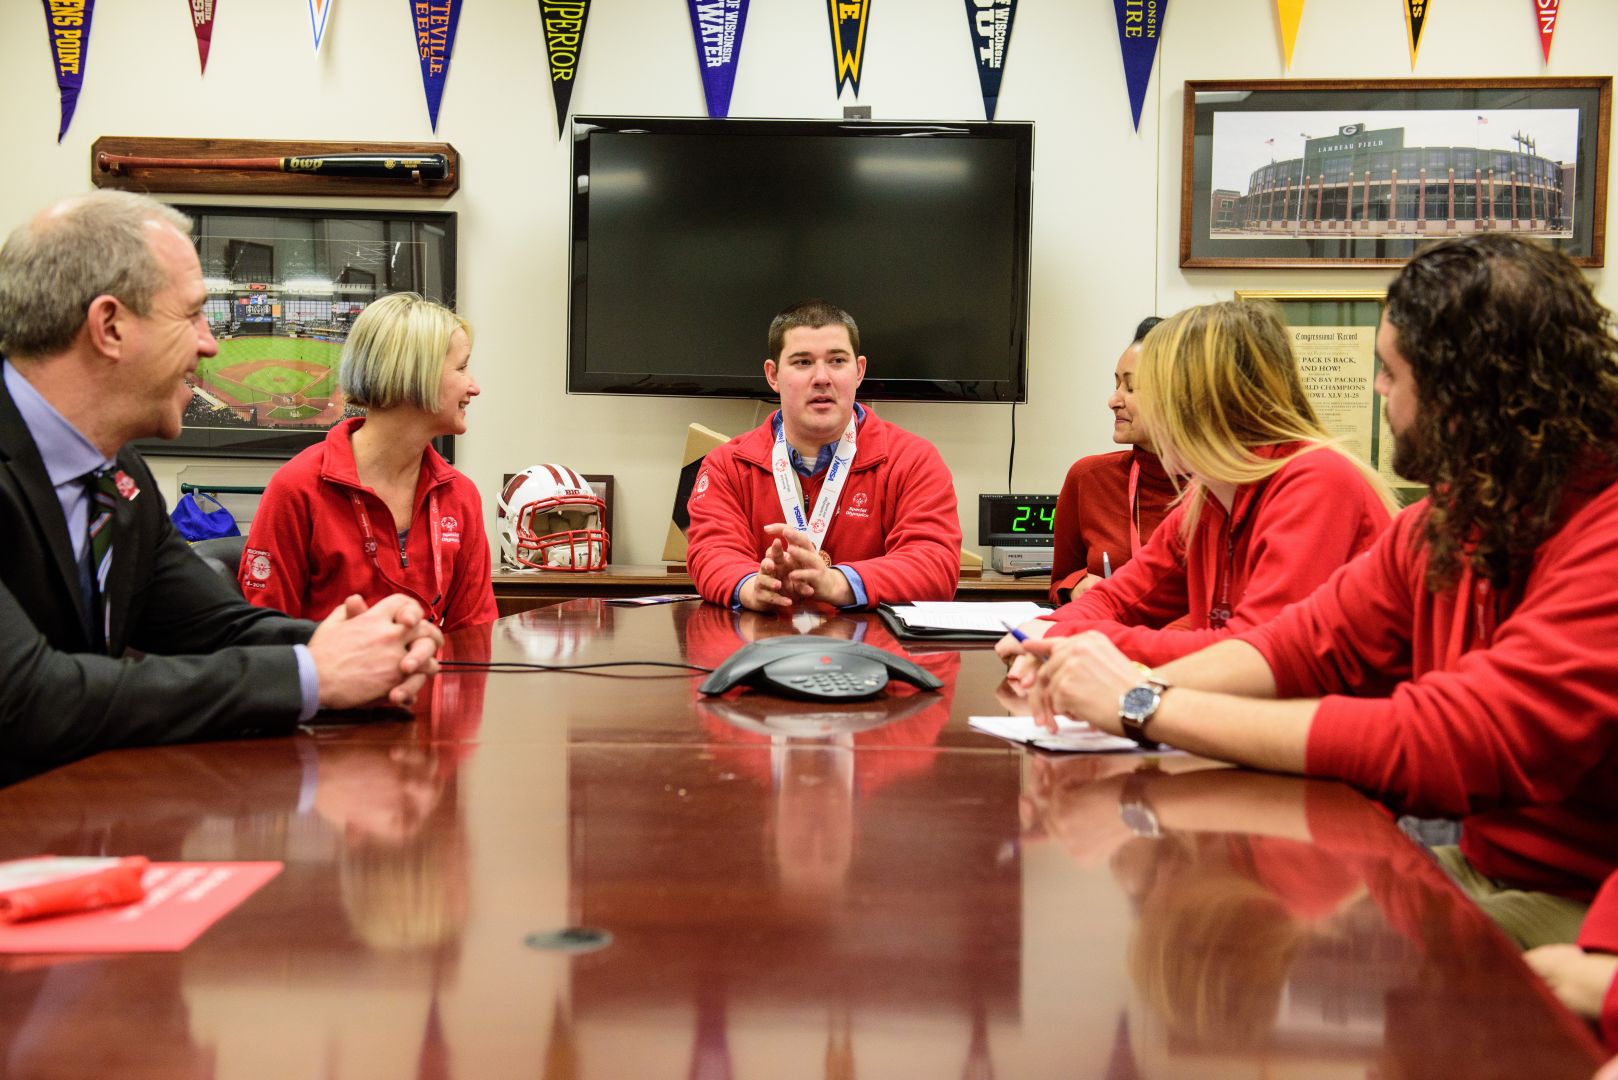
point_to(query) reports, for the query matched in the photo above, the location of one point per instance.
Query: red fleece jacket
(896, 523)
(1502, 705)
(1283, 536)
(1092, 514)
(305, 552)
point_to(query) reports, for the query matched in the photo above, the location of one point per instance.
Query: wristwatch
(1138, 705)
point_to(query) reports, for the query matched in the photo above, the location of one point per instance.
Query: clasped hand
(363, 655)
(792, 570)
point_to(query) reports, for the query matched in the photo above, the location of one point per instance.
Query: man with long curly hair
(1463, 667)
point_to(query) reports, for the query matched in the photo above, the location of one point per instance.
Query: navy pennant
(990, 24)
(848, 19)
(564, 39)
(1140, 24)
(435, 25)
(717, 26)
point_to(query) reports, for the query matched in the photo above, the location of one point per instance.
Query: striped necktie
(103, 491)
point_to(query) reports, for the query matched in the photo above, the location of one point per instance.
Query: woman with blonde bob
(374, 509)
(1272, 508)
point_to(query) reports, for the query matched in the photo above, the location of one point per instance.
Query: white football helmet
(550, 519)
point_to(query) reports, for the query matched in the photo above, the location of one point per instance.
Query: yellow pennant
(1289, 12)
(1415, 19)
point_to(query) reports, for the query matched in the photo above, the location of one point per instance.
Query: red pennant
(1545, 12)
(202, 25)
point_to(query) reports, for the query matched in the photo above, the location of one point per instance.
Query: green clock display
(1016, 520)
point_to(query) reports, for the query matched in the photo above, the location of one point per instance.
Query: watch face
(1138, 703)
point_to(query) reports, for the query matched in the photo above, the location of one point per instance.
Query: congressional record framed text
(1315, 172)
(1334, 338)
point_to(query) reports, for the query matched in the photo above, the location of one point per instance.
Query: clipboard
(906, 630)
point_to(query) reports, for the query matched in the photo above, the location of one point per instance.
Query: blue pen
(1013, 631)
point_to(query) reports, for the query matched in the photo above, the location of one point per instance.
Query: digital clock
(1016, 520)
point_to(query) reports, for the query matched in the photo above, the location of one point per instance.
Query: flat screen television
(689, 235)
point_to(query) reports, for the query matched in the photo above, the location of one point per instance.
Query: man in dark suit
(101, 324)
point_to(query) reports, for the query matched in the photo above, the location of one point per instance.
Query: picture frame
(1334, 340)
(1302, 173)
(284, 284)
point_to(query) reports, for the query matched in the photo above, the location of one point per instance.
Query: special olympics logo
(260, 567)
(781, 465)
(859, 500)
(449, 524)
(819, 525)
(702, 482)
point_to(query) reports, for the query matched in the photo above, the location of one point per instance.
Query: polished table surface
(564, 875)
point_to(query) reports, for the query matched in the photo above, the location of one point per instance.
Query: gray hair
(52, 267)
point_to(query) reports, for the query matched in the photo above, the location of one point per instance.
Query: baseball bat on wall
(369, 166)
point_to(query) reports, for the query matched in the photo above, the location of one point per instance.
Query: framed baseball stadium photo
(284, 286)
(1314, 172)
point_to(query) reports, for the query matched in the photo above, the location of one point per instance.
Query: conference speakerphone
(1019, 530)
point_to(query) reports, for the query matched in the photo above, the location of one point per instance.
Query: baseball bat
(372, 166)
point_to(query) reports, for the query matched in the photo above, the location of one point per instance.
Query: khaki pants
(1530, 919)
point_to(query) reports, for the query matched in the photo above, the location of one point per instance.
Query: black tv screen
(689, 235)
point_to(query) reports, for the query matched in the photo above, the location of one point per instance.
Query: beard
(1409, 459)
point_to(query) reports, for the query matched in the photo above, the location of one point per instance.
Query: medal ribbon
(786, 483)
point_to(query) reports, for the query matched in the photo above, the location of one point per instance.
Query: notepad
(1072, 736)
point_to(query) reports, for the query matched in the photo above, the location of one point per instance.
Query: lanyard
(787, 489)
(1134, 507)
(364, 520)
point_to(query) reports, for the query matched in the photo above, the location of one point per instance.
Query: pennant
(564, 40)
(848, 19)
(1289, 13)
(318, 10)
(202, 26)
(69, 24)
(1140, 23)
(1415, 19)
(990, 24)
(716, 26)
(1545, 12)
(435, 23)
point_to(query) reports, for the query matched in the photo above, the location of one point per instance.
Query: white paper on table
(1072, 736)
(646, 601)
(967, 615)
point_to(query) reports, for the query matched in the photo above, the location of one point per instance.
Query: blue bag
(201, 517)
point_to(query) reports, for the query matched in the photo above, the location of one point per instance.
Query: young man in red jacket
(1463, 666)
(825, 501)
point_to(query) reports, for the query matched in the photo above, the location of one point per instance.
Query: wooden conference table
(565, 875)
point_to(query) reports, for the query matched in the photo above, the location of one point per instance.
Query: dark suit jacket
(209, 669)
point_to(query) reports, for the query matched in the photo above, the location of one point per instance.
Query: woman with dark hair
(1110, 503)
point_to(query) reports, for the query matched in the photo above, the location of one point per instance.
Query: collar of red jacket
(1248, 494)
(338, 465)
(755, 447)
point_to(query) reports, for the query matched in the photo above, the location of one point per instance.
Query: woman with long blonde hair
(1271, 508)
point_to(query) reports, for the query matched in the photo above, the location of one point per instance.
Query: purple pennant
(1140, 24)
(69, 24)
(564, 22)
(716, 26)
(990, 24)
(435, 21)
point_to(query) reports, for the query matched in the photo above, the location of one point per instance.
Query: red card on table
(182, 900)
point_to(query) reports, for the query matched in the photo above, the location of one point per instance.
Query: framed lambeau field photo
(1334, 339)
(1315, 172)
(284, 286)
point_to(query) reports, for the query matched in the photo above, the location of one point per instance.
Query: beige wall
(1093, 274)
